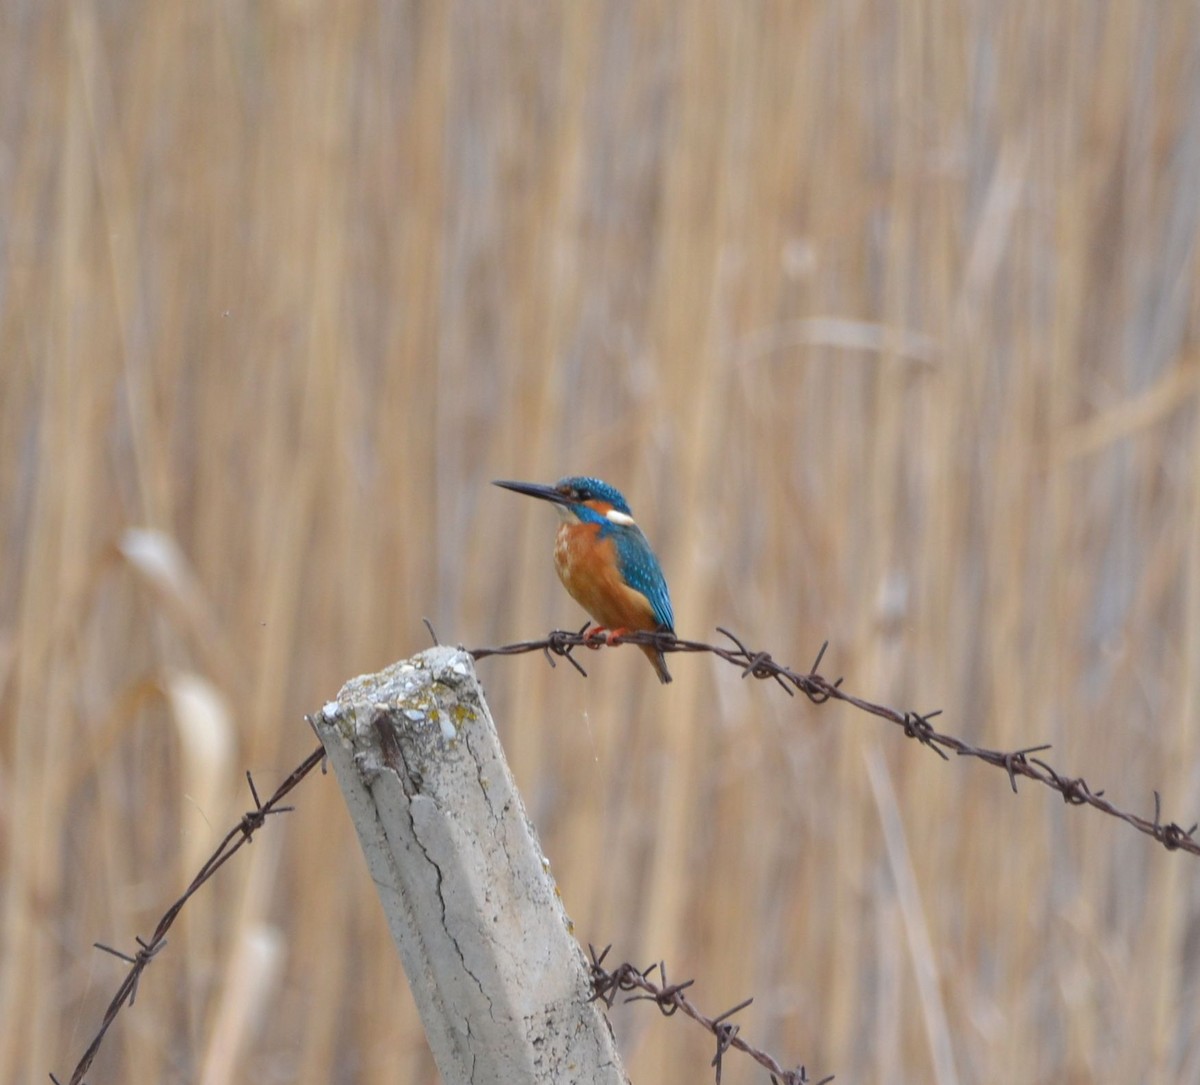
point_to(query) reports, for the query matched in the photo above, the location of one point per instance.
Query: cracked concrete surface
(501, 985)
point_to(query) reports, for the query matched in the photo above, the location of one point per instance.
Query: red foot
(598, 635)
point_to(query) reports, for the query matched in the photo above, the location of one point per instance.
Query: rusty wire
(233, 841)
(1074, 790)
(669, 997)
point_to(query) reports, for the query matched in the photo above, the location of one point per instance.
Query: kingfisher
(605, 562)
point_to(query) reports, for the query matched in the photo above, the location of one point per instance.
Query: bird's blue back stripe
(641, 571)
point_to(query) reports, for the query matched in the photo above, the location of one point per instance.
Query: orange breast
(587, 566)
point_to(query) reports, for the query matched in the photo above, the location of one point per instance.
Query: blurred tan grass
(884, 317)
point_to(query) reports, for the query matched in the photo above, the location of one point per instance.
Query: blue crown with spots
(581, 488)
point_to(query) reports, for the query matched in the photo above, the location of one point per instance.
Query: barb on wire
(1075, 791)
(240, 834)
(669, 997)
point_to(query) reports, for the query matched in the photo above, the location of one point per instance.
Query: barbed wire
(1074, 790)
(239, 835)
(669, 998)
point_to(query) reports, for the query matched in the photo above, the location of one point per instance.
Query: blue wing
(641, 571)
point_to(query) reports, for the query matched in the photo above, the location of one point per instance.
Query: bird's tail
(659, 662)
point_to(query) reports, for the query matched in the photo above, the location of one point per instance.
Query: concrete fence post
(502, 986)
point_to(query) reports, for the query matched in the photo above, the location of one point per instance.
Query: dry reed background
(885, 317)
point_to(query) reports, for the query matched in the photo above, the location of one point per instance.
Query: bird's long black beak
(534, 489)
